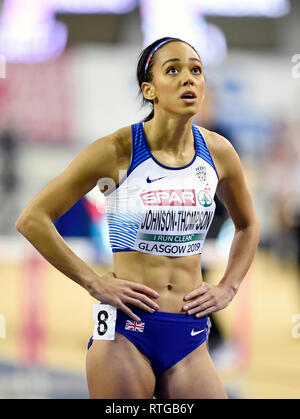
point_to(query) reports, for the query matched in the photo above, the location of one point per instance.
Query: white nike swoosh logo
(196, 333)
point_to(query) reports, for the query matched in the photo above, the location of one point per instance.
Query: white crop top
(159, 209)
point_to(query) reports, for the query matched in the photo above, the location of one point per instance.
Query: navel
(170, 286)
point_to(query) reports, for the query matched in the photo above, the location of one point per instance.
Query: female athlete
(152, 322)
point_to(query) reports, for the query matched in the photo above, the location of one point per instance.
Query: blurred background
(67, 77)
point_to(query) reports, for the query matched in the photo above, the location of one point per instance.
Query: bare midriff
(171, 277)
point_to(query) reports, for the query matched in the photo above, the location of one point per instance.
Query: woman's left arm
(233, 192)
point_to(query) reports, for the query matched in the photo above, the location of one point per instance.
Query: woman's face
(178, 82)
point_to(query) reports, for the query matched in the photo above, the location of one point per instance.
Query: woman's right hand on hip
(119, 293)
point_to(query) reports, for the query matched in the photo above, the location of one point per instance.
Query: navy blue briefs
(164, 338)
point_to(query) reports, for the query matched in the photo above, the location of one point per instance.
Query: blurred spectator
(281, 174)
(8, 180)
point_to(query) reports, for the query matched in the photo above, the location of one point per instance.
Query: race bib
(104, 316)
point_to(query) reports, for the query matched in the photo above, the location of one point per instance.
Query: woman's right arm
(97, 161)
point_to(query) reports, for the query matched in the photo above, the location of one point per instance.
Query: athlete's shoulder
(123, 140)
(221, 150)
(103, 156)
(216, 142)
(112, 146)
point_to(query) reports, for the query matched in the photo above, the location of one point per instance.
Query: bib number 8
(104, 321)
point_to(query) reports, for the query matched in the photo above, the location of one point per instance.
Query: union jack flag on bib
(135, 326)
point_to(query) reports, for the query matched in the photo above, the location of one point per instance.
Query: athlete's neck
(169, 134)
